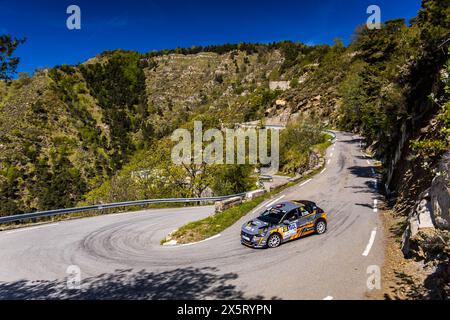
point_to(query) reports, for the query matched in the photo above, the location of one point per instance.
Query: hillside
(76, 126)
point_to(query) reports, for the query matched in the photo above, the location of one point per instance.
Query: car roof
(286, 206)
(305, 202)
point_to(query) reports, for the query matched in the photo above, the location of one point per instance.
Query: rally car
(284, 222)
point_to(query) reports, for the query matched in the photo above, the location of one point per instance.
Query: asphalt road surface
(120, 256)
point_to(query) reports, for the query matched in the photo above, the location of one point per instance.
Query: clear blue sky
(148, 25)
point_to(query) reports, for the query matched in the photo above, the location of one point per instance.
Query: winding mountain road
(120, 256)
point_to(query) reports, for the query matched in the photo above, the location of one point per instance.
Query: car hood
(254, 226)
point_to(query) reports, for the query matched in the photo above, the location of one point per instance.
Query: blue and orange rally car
(284, 222)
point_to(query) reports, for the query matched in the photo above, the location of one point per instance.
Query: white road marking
(324, 169)
(259, 207)
(375, 205)
(32, 228)
(331, 155)
(264, 203)
(328, 298)
(190, 244)
(193, 243)
(275, 201)
(307, 181)
(329, 161)
(368, 162)
(370, 244)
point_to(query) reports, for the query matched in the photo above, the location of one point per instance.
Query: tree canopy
(8, 63)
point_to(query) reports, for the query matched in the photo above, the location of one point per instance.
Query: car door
(290, 230)
(307, 216)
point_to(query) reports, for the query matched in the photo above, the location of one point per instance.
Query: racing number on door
(291, 230)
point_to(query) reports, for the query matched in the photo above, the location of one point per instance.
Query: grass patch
(322, 147)
(328, 136)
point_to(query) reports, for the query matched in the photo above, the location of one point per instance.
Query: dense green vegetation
(394, 70)
(429, 147)
(152, 174)
(444, 115)
(119, 87)
(298, 140)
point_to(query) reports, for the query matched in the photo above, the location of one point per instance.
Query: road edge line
(371, 242)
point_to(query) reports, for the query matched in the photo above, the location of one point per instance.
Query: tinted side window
(310, 208)
(305, 211)
(292, 215)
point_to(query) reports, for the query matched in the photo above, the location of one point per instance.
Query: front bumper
(253, 241)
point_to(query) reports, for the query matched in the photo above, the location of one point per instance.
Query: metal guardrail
(51, 213)
(331, 133)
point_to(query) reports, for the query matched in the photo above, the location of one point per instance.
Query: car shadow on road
(181, 283)
(362, 172)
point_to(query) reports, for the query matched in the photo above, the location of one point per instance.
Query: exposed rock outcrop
(440, 194)
(430, 217)
(279, 85)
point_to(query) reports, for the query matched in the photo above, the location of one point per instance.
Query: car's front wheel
(274, 240)
(321, 227)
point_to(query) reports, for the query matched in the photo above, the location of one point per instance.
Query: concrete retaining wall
(228, 203)
(255, 194)
(278, 185)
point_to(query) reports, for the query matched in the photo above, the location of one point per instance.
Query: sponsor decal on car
(292, 231)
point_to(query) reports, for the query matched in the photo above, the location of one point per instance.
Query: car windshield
(272, 215)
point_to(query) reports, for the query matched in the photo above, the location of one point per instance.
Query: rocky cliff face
(431, 212)
(427, 234)
(440, 195)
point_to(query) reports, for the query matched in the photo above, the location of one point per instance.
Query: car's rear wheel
(321, 227)
(274, 240)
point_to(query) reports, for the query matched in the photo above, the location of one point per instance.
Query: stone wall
(228, 203)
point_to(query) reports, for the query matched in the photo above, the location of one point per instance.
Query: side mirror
(286, 222)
